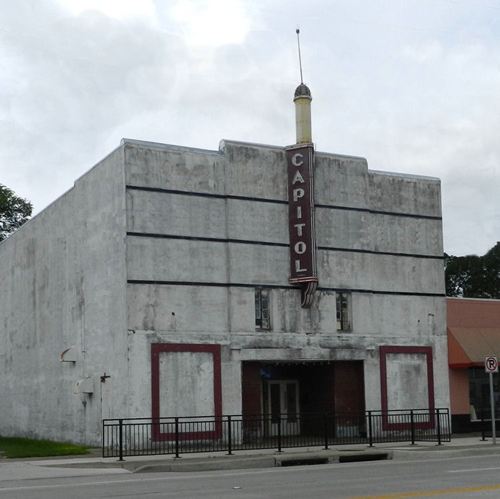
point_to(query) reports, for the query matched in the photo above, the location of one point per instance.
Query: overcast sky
(413, 86)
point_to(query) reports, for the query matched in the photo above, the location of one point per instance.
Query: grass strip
(14, 447)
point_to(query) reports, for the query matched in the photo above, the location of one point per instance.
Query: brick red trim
(215, 350)
(384, 351)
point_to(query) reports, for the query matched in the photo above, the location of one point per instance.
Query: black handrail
(176, 435)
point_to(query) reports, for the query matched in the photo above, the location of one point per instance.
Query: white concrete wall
(62, 281)
(186, 381)
(359, 210)
(409, 387)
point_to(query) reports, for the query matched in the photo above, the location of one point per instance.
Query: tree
(473, 276)
(14, 211)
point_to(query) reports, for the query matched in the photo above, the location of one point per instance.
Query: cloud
(118, 9)
(454, 136)
(211, 22)
(65, 96)
(413, 87)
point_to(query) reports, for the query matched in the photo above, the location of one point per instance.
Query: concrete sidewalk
(89, 465)
(459, 446)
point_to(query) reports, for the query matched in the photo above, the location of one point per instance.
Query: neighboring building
(159, 285)
(473, 335)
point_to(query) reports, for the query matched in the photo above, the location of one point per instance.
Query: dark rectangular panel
(300, 162)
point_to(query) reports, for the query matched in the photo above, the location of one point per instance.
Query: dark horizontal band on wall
(377, 212)
(269, 243)
(206, 239)
(205, 194)
(276, 286)
(278, 201)
(373, 252)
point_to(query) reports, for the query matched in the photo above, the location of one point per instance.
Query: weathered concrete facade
(154, 257)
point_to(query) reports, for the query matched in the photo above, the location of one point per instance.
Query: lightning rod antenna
(300, 58)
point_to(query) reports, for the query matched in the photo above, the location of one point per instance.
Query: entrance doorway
(301, 393)
(283, 407)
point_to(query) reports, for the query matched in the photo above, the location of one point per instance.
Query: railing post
(279, 432)
(438, 417)
(412, 427)
(325, 428)
(483, 435)
(334, 428)
(229, 437)
(177, 437)
(120, 439)
(370, 429)
(103, 438)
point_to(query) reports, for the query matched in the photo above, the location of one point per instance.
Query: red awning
(468, 346)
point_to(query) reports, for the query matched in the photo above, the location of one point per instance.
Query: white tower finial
(302, 99)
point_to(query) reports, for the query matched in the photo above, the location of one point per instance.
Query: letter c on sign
(300, 248)
(298, 159)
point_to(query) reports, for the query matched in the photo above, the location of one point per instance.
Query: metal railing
(484, 424)
(179, 435)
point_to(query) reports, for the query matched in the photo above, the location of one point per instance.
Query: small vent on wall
(85, 385)
(69, 355)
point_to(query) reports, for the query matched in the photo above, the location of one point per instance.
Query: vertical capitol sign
(300, 160)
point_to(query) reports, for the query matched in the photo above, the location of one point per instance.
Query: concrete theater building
(172, 281)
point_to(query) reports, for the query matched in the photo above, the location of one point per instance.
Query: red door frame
(427, 351)
(156, 350)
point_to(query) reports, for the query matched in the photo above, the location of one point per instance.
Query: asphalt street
(458, 477)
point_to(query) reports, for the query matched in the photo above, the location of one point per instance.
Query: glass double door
(283, 404)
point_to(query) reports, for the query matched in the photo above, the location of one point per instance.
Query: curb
(231, 462)
(440, 453)
(262, 461)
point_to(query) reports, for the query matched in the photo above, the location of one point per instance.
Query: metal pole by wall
(438, 417)
(279, 433)
(412, 427)
(103, 439)
(120, 439)
(492, 403)
(370, 430)
(229, 437)
(325, 429)
(177, 437)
